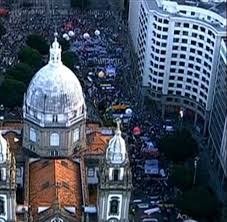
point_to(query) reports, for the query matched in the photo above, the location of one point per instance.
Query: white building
(218, 126)
(178, 43)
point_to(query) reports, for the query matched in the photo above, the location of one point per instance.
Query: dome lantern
(55, 51)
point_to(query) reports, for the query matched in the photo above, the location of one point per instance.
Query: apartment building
(177, 43)
(218, 126)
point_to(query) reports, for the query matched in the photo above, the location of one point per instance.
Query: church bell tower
(7, 183)
(115, 182)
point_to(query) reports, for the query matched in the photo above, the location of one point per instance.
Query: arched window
(76, 134)
(114, 206)
(32, 135)
(2, 206)
(54, 139)
(56, 220)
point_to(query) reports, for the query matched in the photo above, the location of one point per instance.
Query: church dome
(54, 90)
(116, 151)
(3, 148)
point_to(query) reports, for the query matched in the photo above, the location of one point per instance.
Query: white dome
(116, 151)
(3, 148)
(54, 90)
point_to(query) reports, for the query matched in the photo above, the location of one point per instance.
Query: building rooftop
(217, 7)
(55, 181)
(97, 143)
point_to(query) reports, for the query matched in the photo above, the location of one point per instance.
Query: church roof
(55, 181)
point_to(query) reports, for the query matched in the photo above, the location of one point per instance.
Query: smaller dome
(116, 151)
(3, 148)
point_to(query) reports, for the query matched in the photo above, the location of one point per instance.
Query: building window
(76, 134)
(2, 174)
(32, 135)
(114, 206)
(2, 206)
(45, 185)
(115, 174)
(56, 220)
(65, 184)
(55, 118)
(91, 172)
(54, 153)
(54, 139)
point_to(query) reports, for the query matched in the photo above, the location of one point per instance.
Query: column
(206, 122)
(195, 119)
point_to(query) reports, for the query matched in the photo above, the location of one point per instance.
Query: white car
(143, 205)
(155, 202)
(154, 197)
(137, 201)
(150, 220)
(152, 210)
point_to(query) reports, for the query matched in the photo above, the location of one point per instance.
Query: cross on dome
(55, 51)
(118, 130)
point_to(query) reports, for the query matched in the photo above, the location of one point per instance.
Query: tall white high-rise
(218, 126)
(178, 43)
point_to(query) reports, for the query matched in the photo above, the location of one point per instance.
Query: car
(150, 220)
(155, 202)
(137, 201)
(152, 210)
(154, 197)
(143, 205)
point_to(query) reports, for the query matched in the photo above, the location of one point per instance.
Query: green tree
(198, 203)
(2, 29)
(12, 92)
(65, 45)
(179, 146)
(21, 72)
(70, 59)
(181, 177)
(39, 43)
(31, 57)
(79, 3)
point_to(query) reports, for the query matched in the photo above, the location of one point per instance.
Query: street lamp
(1, 115)
(196, 159)
(181, 117)
(1, 112)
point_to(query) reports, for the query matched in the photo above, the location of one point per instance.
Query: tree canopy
(79, 3)
(64, 44)
(179, 146)
(31, 57)
(39, 43)
(21, 72)
(182, 177)
(70, 59)
(198, 203)
(12, 92)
